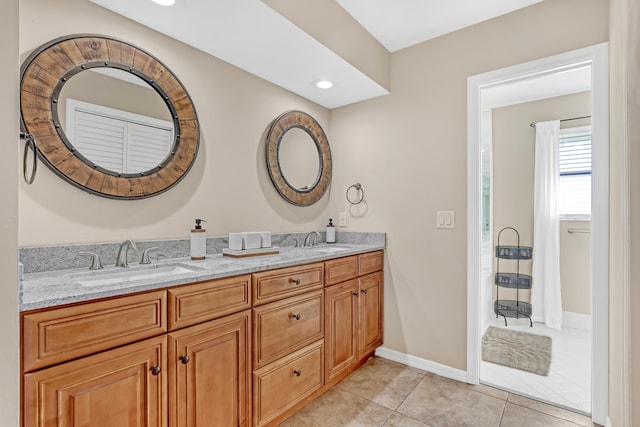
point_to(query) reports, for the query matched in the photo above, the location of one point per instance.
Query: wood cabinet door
(210, 382)
(371, 311)
(126, 386)
(341, 328)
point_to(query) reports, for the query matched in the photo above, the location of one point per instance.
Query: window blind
(117, 140)
(574, 193)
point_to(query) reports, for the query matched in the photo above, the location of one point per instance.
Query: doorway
(480, 217)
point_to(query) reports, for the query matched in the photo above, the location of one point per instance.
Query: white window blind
(117, 140)
(574, 193)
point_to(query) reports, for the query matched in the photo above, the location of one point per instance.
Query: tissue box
(252, 240)
(235, 241)
(265, 239)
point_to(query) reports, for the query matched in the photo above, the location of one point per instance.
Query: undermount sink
(99, 278)
(327, 249)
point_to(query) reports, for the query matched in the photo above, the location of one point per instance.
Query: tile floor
(386, 393)
(569, 381)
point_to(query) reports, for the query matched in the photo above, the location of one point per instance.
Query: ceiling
(254, 37)
(402, 23)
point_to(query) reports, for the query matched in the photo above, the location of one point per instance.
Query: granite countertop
(54, 288)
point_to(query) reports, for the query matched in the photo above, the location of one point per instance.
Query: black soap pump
(331, 232)
(198, 241)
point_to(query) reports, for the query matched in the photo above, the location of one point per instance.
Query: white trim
(576, 320)
(424, 364)
(597, 57)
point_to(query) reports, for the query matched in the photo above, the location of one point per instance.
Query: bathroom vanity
(237, 343)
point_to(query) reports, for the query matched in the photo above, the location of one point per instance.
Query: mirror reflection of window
(299, 159)
(116, 120)
(118, 140)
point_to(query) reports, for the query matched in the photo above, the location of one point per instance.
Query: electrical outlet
(342, 219)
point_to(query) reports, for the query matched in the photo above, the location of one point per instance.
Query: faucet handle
(145, 255)
(96, 264)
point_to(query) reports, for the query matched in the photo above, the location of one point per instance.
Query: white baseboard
(607, 422)
(424, 364)
(576, 320)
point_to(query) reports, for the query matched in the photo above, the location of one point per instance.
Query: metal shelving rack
(512, 308)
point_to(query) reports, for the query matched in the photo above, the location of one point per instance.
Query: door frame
(597, 57)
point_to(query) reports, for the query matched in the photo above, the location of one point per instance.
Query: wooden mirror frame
(301, 120)
(48, 68)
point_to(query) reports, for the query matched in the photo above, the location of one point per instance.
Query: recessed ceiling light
(324, 84)
(164, 2)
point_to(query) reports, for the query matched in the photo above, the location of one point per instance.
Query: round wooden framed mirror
(119, 153)
(298, 158)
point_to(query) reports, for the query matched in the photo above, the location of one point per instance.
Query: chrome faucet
(122, 260)
(146, 259)
(312, 239)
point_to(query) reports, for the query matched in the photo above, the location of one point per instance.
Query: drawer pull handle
(296, 281)
(185, 359)
(298, 372)
(296, 316)
(356, 294)
(364, 291)
(155, 370)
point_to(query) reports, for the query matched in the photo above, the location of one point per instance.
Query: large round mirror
(108, 117)
(298, 158)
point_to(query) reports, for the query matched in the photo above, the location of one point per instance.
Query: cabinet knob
(356, 294)
(184, 359)
(296, 316)
(296, 281)
(364, 291)
(155, 370)
(298, 372)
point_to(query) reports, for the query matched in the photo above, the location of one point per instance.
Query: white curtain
(546, 298)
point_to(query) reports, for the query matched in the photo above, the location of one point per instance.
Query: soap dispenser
(198, 241)
(331, 232)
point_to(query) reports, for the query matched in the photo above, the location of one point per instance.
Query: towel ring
(30, 142)
(358, 187)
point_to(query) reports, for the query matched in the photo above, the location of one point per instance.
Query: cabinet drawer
(279, 386)
(285, 326)
(370, 262)
(63, 334)
(204, 301)
(341, 269)
(277, 284)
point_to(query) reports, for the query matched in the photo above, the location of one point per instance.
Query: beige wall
(575, 274)
(9, 82)
(408, 150)
(513, 184)
(228, 185)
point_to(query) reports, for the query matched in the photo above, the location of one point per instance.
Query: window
(118, 140)
(574, 191)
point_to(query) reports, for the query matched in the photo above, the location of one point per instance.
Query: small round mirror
(115, 120)
(299, 159)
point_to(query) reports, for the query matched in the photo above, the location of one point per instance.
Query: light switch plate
(445, 219)
(342, 219)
